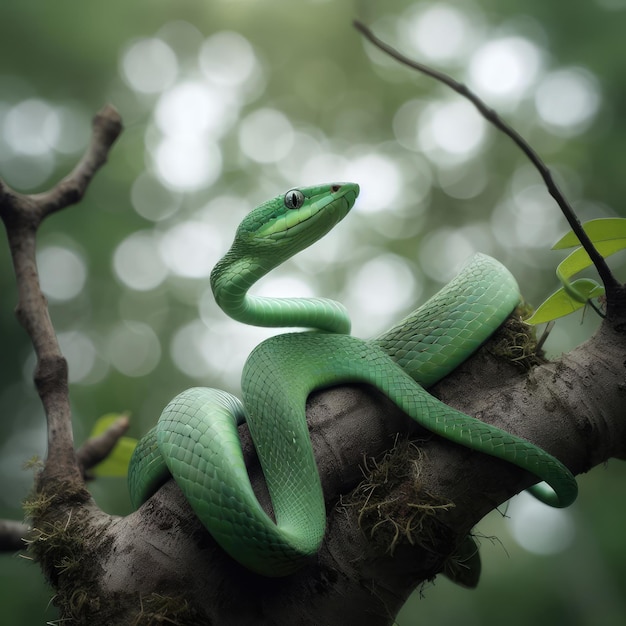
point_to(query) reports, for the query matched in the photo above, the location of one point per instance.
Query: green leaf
(116, 464)
(104, 423)
(561, 303)
(579, 259)
(602, 229)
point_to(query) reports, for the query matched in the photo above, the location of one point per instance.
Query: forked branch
(22, 216)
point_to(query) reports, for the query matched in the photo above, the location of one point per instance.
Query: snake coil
(196, 438)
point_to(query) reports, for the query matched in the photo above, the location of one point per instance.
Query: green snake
(196, 439)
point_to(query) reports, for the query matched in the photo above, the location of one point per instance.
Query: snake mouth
(349, 191)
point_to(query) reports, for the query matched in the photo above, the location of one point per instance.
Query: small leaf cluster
(608, 236)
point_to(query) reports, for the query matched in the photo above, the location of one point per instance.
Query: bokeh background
(227, 103)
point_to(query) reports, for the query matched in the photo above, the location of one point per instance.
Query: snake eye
(294, 199)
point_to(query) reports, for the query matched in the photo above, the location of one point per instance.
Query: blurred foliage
(133, 311)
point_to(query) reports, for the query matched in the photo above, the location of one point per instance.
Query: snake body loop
(196, 439)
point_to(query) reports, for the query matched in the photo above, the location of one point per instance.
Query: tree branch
(96, 449)
(12, 535)
(614, 290)
(106, 128)
(22, 215)
(396, 530)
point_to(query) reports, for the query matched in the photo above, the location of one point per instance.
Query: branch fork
(22, 215)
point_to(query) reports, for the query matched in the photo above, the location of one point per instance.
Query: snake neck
(233, 276)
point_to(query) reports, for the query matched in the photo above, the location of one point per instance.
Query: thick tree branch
(572, 408)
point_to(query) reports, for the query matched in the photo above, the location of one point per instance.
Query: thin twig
(105, 129)
(611, 285)
(12, 535)
(96, 449)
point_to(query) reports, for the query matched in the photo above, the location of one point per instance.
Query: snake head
(293, 221)
(268, 236)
